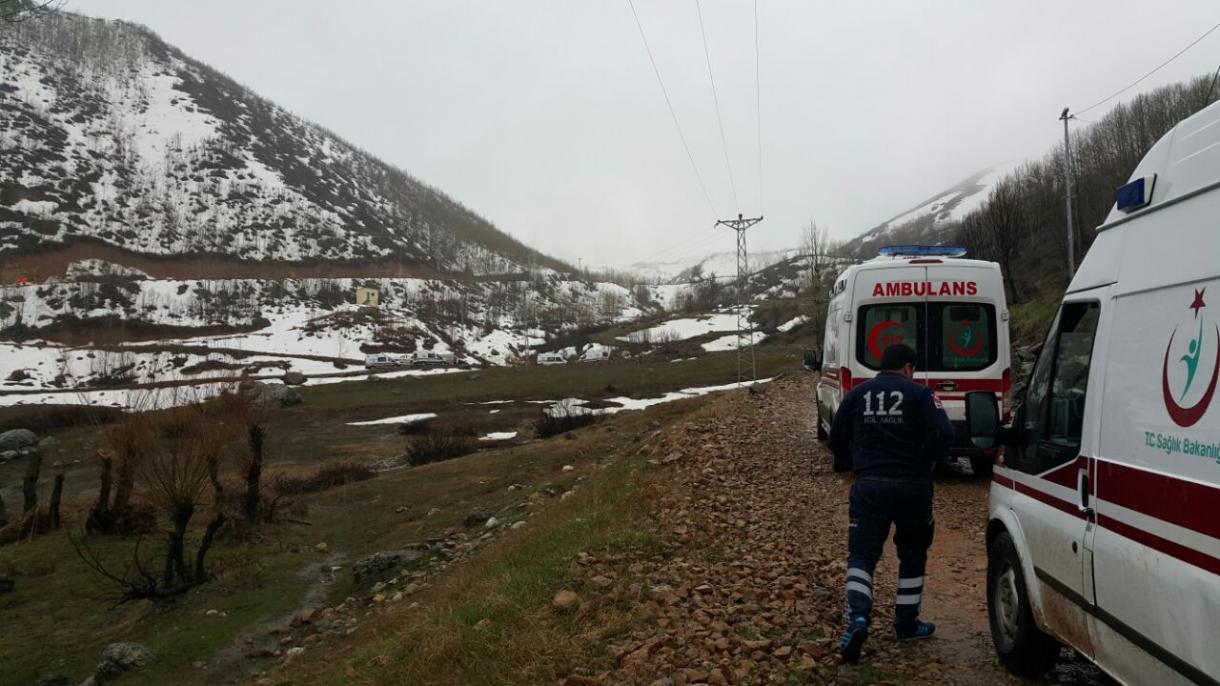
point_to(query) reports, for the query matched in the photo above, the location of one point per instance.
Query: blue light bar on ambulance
(1135, 194)
(922, 251)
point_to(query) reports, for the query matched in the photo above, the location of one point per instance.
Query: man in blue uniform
(891, 431)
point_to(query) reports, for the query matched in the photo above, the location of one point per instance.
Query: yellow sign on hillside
(368, 297)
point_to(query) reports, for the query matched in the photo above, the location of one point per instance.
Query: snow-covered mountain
(110, 137)
(926, 222)
(722, 265)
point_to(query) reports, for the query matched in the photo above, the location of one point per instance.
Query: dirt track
(754, 595)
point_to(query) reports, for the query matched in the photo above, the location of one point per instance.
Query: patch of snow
(499, 436)
(576, 406)
(402, 419)
(792, 323)
(730, 342)
(35, 207)
(682, 329)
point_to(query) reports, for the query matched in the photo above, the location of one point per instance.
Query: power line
(672, 113)
(758, 106)
(685, 247)
(724, 144)
(1212, 88)
(1158, 68)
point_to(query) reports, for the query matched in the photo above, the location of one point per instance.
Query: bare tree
(15, 11)
(176, 478)
(815, 248)
(818, 251)
(997, 231)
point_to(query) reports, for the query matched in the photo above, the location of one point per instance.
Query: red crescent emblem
(966, 352)
(1188, 416)
(874, 346)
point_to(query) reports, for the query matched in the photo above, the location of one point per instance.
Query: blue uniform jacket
(890, 427)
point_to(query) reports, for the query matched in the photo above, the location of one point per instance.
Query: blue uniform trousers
(875, 505)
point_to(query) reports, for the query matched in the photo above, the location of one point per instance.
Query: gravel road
(753, 594)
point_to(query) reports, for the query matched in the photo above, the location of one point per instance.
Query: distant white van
(430, 358)
(1104, 529)
(382, 361)
(551, 358)
(952, 311)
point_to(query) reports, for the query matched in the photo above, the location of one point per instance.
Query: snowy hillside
(108, 134)
(195, 330)
(924, 222)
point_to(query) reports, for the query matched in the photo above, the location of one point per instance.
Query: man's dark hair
(898, 356)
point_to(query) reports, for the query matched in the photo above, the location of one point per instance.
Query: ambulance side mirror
(982, 418)
(813, 361)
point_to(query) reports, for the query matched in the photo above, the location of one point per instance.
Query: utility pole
(745, 333)
(1067, 176)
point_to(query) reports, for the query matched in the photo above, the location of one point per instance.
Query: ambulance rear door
(966, 340)
(889, 307)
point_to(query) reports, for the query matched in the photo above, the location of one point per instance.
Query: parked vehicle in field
(952, 311)
(1104, 530)
(550, 358)
(597, 353)
(429, 358)
(382, 361)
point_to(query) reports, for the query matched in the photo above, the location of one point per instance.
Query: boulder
(270, 395)
(293, 378)
(120, 658)
(7, 455)
(378, 564)
(304, 617)
(16, 439)
(476, 518)
(565, 601)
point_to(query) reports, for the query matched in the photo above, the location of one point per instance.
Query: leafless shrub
(436, 446)
(557, 420)
(325, 478)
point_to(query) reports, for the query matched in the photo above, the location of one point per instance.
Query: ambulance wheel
(822, 435)
(1020, 645)
(981, 466)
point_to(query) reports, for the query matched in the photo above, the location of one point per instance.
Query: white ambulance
(952, 311)
(1104, 529)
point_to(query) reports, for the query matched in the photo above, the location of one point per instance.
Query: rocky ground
(753, 594)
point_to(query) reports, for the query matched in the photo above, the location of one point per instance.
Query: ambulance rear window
(887, 324)
(947, 336)
(963, 336)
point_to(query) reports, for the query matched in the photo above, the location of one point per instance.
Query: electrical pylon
(745, 332)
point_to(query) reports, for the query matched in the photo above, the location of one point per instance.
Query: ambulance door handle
(947, 385)
(1082, 487)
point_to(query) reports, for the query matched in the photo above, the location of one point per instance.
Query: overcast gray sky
(545, 116)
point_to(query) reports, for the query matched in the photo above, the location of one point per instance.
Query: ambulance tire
(1020, 645)
(981, 466)
(822, 435)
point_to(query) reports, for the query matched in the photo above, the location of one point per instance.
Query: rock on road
(753, 592)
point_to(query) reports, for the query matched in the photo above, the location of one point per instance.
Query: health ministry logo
(1186, 357)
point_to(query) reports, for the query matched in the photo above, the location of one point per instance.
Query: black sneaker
(853, 639)
(914, 631)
